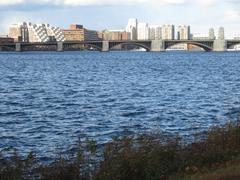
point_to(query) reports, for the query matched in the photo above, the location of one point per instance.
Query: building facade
(115, 35)
(132, 28)
(183, 33)
(211, 34)
(155, 32)
(143, 31)
(29, 32)
(79, 33)
(221, 33)
(168, 32)
(19, 32)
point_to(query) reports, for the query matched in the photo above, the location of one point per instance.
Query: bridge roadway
(105, 46)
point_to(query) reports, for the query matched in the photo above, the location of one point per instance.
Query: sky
(114, 14)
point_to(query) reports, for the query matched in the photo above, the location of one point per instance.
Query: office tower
(221, 33)
(183, 33)
(211, 34)
(132, 28)
(143, 31)
(155, 32)
(168, 32)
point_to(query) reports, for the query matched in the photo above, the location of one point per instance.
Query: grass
(154, 156)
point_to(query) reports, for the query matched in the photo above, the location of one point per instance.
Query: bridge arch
(137, 44)
(10, 47)
(199, 44)
(231, 45)
(38, 47)
(88, 44)
(99, 48)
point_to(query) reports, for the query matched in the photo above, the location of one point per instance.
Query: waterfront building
(151, 33)
(183, 33)
(143, 31)
(211, 34)
(168, 32)
(55, 33)
(79, 33)
(115, 35)
(37, 33)
(29, 32)
(158, 33)
(19, 32)
(155, 32)
(132, 28)
(221, 33)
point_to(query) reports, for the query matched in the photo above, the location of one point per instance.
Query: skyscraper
(168, 32)
(132, 27)
(143, 31)
(152, 32)
(183, 33)
(221, 33)
(155, 32)
(211, 34)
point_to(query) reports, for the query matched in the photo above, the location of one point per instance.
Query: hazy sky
(113, 14)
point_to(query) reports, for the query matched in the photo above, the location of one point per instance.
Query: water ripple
(49, 99)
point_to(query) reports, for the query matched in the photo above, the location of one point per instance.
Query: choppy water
(49, 99)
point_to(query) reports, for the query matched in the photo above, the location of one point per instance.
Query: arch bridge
(148, 45)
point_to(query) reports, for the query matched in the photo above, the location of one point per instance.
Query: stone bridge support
(105, 46)
(220, 45)
(18, 47)
(60, 47)
(157, 46)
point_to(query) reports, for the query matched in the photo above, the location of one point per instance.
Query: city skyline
(201, 15)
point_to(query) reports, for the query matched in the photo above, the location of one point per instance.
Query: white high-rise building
(143, 31)
(155, 32)
(158, 33)
(168, 32)
(132, 28)
(152, 33)
(221, 33)
(183, 33)
(211, 34)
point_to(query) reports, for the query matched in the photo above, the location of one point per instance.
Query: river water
(48, 99)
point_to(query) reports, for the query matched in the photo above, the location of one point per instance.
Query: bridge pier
(105, 46)
(18, 47)
(219, 45)
(60, 47)
(157, 46)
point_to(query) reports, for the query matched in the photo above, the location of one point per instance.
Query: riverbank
(152, 156)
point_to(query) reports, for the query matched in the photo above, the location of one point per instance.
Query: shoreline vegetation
(216, 155)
